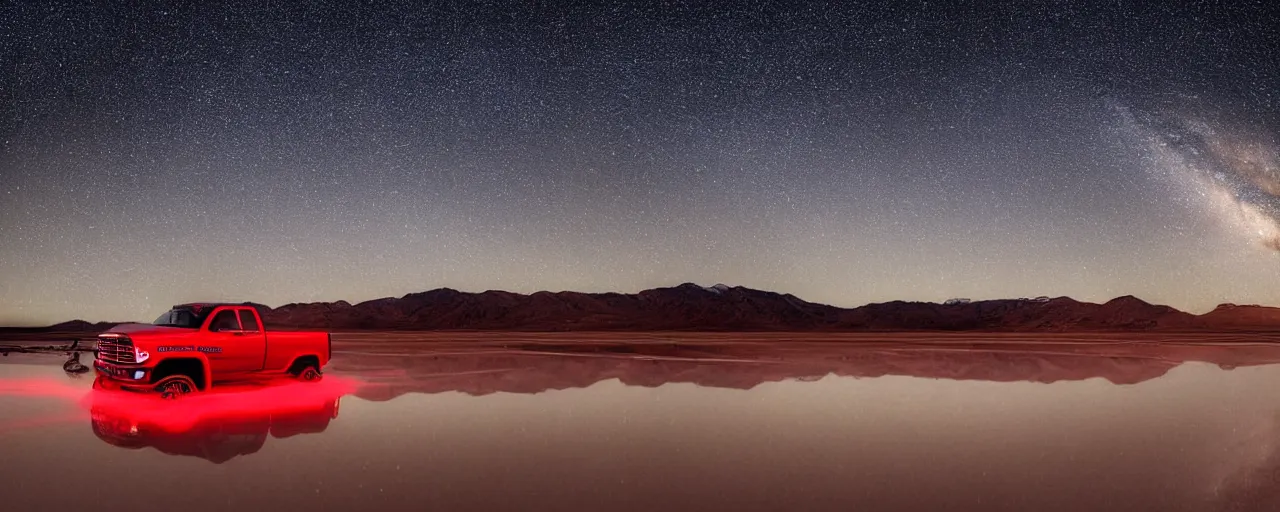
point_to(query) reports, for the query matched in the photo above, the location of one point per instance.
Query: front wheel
(175, 386)
(103, 383)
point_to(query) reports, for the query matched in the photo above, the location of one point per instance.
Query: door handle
(238, 333)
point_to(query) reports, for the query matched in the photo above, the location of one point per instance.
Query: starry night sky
(845, 152)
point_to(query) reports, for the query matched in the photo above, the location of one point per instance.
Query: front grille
(115, 350)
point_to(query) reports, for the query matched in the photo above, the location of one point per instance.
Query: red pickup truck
(192, 346)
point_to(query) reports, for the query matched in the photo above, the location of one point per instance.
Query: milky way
(1228, 172)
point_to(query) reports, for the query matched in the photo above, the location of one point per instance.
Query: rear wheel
(309, 373)
(175, 386)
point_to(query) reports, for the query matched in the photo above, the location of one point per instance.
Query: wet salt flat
(502, 424)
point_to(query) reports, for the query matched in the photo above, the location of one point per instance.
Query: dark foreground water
(394, 427)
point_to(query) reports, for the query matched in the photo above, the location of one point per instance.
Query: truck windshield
(180, 317)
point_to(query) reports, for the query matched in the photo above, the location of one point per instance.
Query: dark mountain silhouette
(1255, 317)
(56, 332)
(684, 307)
(690, 307)
(1058, 314)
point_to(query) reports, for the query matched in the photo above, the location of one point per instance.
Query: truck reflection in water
(218, 426)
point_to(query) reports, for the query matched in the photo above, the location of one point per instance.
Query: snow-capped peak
(717, 288)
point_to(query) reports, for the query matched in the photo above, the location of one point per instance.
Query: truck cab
(193, 346)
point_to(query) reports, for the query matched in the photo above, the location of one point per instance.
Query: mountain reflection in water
(390, 371)
(998, 427)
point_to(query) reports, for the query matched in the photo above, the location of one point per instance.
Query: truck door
(219, 344)
(232, 347)
(253, 341)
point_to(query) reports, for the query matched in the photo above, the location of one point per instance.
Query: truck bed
(285, 346)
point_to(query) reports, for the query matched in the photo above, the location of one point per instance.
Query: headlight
(140, 355)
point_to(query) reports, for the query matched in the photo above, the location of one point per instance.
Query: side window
(248, 321)
(225, 320)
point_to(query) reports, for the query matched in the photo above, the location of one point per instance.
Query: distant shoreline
(480, 363)
(1087, 337)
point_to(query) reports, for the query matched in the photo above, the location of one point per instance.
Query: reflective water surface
(401, 426)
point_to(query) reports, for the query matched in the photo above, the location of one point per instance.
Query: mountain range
(690, 307)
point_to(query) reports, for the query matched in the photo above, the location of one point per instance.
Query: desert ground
(1115, 418)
